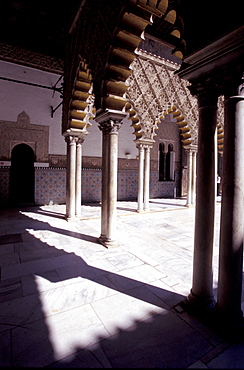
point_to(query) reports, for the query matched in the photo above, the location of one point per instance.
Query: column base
(189, 205)
(140, 210)
(108, 243)
(70, 218)
(230, 325)
(197, 304)
(80, 217)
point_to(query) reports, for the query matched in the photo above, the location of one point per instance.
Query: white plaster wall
(36, 102)
(92, 145)
(126, 143)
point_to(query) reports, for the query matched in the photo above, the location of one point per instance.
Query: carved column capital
(73, 139)
(110, 127)
(80, 140)
(148, 147)
(188, 150)
(70, 139)
(206, 91)
(109, 121)
(140, 146)
(235, 88)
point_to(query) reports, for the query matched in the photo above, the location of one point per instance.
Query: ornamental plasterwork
(15, 54)
(220, 112)
(154, 88)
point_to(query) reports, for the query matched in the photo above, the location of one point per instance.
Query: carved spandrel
(163, 89)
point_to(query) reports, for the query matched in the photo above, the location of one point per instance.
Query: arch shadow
(78, 332)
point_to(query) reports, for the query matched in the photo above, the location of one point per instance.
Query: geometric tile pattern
(50, 185)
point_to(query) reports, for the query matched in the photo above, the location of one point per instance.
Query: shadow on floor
(162, 340)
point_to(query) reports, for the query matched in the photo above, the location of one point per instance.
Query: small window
(162, 165)
(166, 162)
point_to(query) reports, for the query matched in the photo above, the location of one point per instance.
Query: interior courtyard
(121, 184)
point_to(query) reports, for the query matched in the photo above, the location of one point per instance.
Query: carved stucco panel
(14, 133)
(153, 87)
(220, 112)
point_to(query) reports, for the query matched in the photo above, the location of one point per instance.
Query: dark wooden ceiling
(206, 21)
(37, 25)
(42, 25)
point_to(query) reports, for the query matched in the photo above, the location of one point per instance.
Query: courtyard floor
(67, 301)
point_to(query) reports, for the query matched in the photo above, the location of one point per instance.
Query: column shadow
(28, 339)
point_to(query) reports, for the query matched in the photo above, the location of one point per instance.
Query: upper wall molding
(14, 54)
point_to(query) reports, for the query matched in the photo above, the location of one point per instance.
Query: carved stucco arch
(110, 52)
(81, 106)
(220, 124)
(156, 91)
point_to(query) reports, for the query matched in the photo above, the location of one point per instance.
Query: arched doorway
(21, 185)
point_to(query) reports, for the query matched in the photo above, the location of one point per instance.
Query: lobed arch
(184, 127)
(111, 52)
(220, 137)
(81, 106)
(220, 125)
(135, 119)
(155, 91)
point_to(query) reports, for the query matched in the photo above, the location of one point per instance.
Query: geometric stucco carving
(220, 124)
(154, 88)
(15, 54)
(14, 133)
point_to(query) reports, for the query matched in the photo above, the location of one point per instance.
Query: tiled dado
(50, 185)
(4, 185)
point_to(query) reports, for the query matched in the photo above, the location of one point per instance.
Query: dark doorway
(22, 175)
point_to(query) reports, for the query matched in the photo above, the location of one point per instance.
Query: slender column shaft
(109, 182)
(193, 179)
(78, 177)
(104, 205)
(146, 177)
(202, 288)
(112, 185)
(232, 211)
(189, 178)
(140, 177)
(165, 165)
(70, 176)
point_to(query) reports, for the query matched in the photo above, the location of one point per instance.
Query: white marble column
(189, 177)
(201, 296)
(104, 203)
(140, 177)
(78, 176)
(232, 210)
(71, 177)
(110, 129)
(146, 177)
(112, 185)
